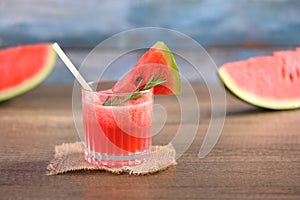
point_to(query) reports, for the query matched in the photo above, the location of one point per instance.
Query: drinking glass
(117, 127)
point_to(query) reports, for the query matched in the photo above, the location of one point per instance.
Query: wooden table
(256, 157)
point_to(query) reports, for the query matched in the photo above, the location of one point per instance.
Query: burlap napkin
(70, 157)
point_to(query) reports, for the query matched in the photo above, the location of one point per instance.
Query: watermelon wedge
(270, 82)
(157, 61)
(23, 68)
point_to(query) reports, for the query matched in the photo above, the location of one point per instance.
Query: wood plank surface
(256, 157)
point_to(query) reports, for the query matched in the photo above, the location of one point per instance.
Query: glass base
(116, 161)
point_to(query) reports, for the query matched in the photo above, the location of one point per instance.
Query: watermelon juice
(117, 129)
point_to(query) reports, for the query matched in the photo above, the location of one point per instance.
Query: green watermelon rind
(171, 62)
(267, 103)
(33, 81)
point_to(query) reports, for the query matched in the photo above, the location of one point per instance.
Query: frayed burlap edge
(70, 157)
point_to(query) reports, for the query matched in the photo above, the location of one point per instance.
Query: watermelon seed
(138, 79)
(297, 72)
(283, 72)
(291, 76)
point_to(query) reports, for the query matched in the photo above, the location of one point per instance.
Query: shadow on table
(5, 103)
(248, 111)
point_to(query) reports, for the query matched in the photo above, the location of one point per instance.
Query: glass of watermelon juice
(117, 127)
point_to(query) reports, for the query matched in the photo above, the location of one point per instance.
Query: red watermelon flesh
(151, 56)
(23, 68)
(290, 65)
(154, 60)
(143, 73)
(265, 81)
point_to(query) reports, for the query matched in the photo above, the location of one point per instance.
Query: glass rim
(107, 92)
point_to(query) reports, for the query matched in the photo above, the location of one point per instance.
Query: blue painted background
(229, 29)
(84, 23)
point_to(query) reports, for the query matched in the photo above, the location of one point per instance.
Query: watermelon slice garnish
(271, 82)
(23, 68)
(158, 61)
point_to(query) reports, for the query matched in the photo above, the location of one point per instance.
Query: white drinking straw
(71, 67)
